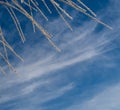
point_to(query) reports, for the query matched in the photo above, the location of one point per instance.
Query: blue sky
(84, 75)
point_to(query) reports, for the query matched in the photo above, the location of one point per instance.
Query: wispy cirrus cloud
(78, 46)
(106, 100)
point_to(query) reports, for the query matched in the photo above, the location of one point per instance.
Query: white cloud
(78, 47)
(106, 100)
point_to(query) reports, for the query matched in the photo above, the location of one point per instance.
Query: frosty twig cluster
(34, 5)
